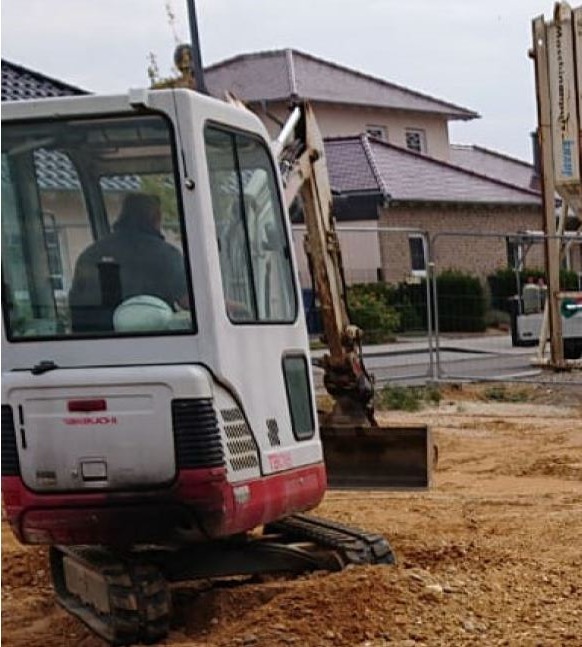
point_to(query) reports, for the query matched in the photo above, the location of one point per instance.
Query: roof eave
(458, 116)
(458, 205)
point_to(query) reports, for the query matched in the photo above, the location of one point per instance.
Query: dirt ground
(492, 555)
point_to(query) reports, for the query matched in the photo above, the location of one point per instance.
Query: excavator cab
(155, 358)
(148, 234)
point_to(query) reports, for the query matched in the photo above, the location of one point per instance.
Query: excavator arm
(358, 451)
(306, 179)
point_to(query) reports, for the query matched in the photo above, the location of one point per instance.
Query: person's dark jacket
(128, 262)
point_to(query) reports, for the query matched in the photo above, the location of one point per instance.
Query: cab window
(92, 232)
(255, 259)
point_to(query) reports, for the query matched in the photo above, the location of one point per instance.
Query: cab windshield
(92, 231)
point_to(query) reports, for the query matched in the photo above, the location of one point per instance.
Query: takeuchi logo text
(91, 420)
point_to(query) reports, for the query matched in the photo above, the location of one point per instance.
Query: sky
(473, 53)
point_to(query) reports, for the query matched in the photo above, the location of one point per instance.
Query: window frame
(300, 436)
(383, 130)
(421, 133)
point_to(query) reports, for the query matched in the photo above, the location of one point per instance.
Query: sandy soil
(492, 555)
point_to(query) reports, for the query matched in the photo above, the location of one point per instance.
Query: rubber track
(138, 598)
(356, 546)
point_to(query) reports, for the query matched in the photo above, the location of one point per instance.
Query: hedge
(462, 303)
(381, 309)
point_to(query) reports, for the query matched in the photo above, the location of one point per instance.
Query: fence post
(433, 312)
(432, 341)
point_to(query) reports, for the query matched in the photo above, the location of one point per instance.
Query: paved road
(476, 357)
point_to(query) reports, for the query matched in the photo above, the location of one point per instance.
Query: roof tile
(495, 165)
(408, 176)
(288, 74)
(20, 83)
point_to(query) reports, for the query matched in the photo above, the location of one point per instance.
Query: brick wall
(470, 252)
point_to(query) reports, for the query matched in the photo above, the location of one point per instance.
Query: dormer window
(416, 140)
(378, 132)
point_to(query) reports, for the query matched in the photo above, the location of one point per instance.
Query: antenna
(196, 58)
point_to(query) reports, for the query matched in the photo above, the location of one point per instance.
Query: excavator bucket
(395, 457)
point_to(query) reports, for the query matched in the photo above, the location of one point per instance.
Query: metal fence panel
(488, 326)
(448, 329)
(399, 343)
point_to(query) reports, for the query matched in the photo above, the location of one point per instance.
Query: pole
(548, 190)
(196, 58)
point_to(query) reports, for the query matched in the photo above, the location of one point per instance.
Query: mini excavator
(168, 441)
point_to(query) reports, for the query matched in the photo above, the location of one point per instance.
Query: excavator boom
(358, 451)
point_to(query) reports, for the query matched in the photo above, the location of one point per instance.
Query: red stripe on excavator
(221, 508)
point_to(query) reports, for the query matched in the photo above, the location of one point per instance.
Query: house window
(416, 140)
(515, 253)
(417, 249)
(379, 132)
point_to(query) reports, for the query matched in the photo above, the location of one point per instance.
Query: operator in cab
(133, 260)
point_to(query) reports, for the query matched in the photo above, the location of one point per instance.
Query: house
(391, 165)
(421, 198)
(346, 102)
(467, 212)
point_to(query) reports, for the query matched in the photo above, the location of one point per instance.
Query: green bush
(461, 302)
(410, 302)
(568, 280)
(370, 312)
(502, 286)
(382, 310)
(407, 301)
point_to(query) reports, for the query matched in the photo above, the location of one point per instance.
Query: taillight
(85, 406)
